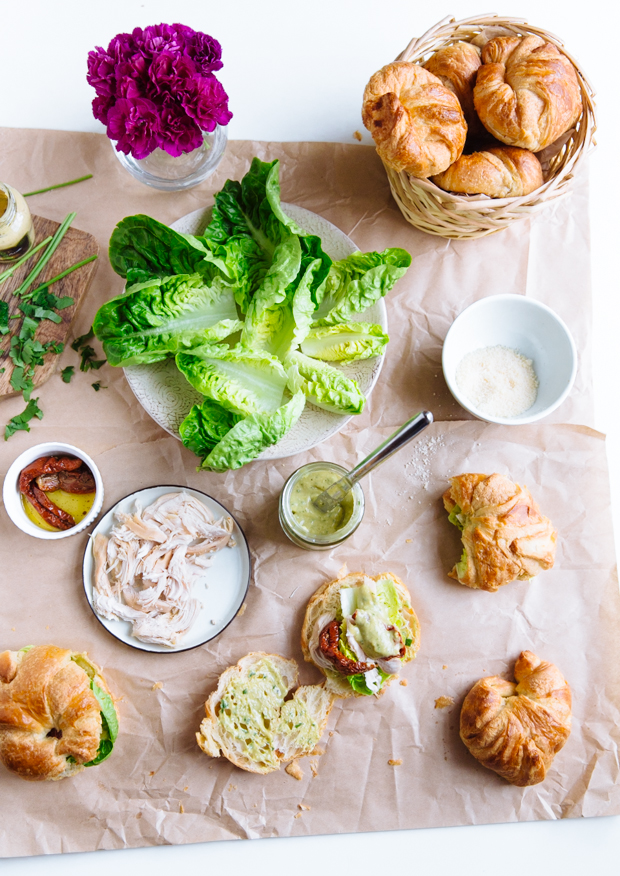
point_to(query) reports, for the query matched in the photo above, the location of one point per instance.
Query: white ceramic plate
(167, 397)
(227, 579)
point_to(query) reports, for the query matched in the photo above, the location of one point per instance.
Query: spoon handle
(391, 445)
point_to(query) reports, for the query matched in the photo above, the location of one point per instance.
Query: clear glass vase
(174, 173)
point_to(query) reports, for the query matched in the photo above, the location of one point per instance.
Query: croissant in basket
(416, 122)
(457, 66)
(57, 715)
(505, 537)
(527, 92)
(517, 729)
(499, 172)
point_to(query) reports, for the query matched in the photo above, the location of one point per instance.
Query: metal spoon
(334, 495)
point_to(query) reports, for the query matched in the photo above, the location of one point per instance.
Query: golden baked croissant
(499, 172)
(516, 730)
(527, 92)
(416, 122)
(456, 66)
(505, 537)
(56, 713)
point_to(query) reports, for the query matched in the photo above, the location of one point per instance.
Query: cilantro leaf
(88, 360)
(20, 422)
(4, 318)
(83, 340)
(67, 373)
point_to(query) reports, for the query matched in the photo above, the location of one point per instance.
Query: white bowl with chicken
(41, 484)
(167, 569)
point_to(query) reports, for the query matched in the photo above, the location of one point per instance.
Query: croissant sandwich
(517, 729)
(57, 714)
(505, 537)
(359, 631)
(250, 721)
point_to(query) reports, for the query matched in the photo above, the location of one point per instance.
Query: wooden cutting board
(75, 246)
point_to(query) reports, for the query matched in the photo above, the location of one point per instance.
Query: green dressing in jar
(310, 518)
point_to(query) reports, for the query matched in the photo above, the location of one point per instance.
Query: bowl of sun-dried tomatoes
(53, 490)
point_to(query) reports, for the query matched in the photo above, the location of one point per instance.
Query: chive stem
(10, 271)
(58, 236)
(58, 277)
(59, 185)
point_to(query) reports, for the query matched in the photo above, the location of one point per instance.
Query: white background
(296, 71)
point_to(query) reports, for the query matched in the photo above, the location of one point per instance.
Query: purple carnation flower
(135, 125)
(101, 72)
(155, 87)
(172, 74)
(206, 53)
(178, 133)
(207, 103)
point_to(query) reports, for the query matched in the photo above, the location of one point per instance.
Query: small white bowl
(13, 500)
(522, 324)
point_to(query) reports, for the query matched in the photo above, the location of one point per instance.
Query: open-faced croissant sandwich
(359, 631)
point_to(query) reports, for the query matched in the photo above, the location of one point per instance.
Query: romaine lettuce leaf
(455, 517)
(324, 385)
(150, 249)
(358, 281)
(250, 436)
(240, 380)
(160, 317)
(345, 342)
(109, 725)
(205, 426)
(357, 682)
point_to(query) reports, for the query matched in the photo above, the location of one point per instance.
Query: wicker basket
(429, 208)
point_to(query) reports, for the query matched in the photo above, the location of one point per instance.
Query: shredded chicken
(145, 570)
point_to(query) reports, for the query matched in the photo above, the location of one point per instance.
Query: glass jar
(16, 228)
(299, 534)
(174, 173)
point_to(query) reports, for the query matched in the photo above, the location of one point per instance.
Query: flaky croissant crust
(517, 729)
(456, 66)
(505, 536)
(499, 172)
(416, 122)
(43, 690)
(527, 92)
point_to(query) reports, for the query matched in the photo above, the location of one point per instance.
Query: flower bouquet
(157, 93)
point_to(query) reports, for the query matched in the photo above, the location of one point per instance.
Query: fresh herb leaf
(59, 185)
(21, 381)
(20, 422)
(67, 373)
(89, 362)
(83, 340)
(4, 318)
(408, 642)
(98, 386)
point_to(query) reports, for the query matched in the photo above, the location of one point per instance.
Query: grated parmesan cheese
(499, 381)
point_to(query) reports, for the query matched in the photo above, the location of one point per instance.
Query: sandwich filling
(253, 712)
(109, 718)
(368, 639)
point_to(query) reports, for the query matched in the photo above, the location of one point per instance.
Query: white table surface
(296, 71)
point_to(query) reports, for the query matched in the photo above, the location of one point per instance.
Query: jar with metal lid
(16, 228)
(308, 526)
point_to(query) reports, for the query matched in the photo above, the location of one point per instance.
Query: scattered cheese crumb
(444, 666)
(294, 770)
(181, 808)
(232, 787)
(403, 683)
(242, 609)
(13, 629)
(397, 762)
(303, 806)
(357, 136)
(443, 702)
(331, 732)
(47, 627)
(297, 815)
(157, 686)
(186, 788)
(409, 540)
